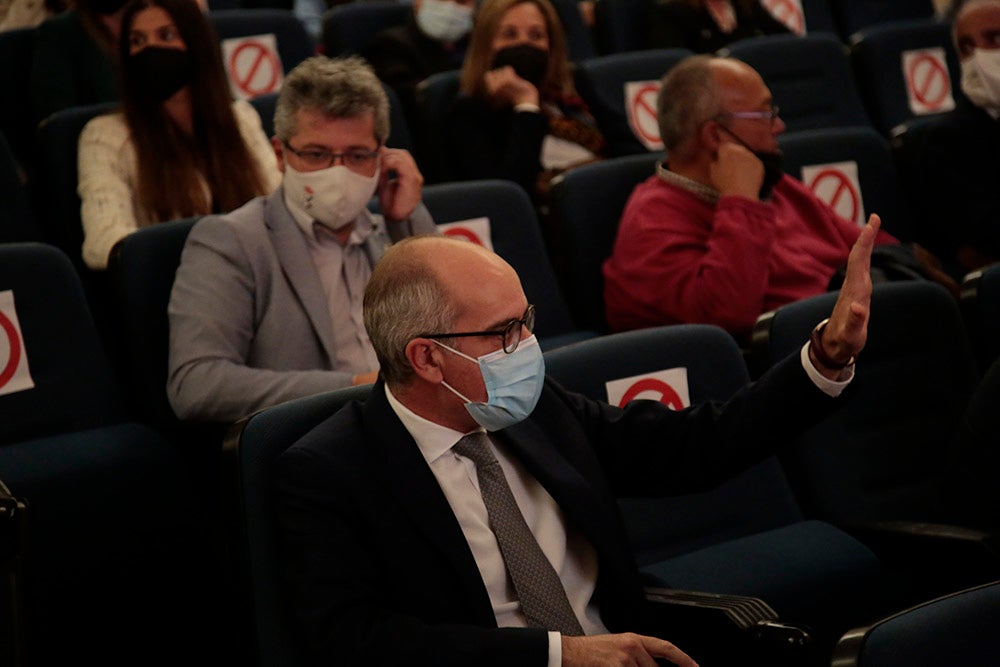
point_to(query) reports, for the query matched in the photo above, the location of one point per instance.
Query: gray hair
(688, 97)
(337, 87)
(403, 300)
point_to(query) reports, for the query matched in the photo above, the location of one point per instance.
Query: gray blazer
(249, 321)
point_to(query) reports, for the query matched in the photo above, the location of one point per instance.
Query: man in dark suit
(393, 547)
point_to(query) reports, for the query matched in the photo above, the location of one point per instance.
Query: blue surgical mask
(444, 21)
(513, 384)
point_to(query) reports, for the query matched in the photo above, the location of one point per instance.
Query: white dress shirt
(569, 553)
(344, 270)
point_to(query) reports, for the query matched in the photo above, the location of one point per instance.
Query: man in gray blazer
(266, 304)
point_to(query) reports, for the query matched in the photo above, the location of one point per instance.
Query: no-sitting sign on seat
(928, 85)
(474, 230)
(253, 65)
(669, 387)
(640, 104)
(14, 372)
(837, 184)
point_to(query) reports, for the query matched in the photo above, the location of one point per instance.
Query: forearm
(209, 389)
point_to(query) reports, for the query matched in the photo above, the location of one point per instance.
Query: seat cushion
(806, 570)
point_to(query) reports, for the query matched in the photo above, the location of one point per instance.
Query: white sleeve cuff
(555, 649)
(829, 387)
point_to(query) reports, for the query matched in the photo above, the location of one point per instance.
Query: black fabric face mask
(529, 62)
(772, 166)
(157, 72)
(106, 7)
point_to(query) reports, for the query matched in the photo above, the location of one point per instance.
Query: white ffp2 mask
(334, 196)
(981, 78)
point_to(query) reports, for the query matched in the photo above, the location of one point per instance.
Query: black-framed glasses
(510, 334)
(769, 114)
(358, 160)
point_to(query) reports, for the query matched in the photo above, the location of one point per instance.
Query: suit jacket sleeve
(211, 330)
(648, 450)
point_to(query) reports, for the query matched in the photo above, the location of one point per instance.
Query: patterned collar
(699, 190)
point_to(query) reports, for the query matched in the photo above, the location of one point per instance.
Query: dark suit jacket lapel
(411, 480)
(298, 267)
(574, 494)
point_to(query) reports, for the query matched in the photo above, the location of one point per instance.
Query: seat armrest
(892, 539)
(937, 558)
(720, 629)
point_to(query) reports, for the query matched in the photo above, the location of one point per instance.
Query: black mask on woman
(772, 166)
(529, 62)
(157, 73)
(106, 7)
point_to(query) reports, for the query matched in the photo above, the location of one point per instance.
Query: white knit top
(108, 177)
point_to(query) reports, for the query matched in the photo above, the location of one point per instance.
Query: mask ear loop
(461, 354)
(734, 136)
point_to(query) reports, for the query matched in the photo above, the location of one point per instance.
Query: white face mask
(981, 78)
(334, 196)
(444, 21)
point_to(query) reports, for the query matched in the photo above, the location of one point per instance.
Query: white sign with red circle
(474, 230)
(640, 105)
(928, 85)
(788, 12)
(669, 387)
(837, 184)
(253, 65)
(14, 372)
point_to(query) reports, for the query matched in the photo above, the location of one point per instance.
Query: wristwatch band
(816, 345)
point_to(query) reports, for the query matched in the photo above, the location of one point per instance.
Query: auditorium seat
(880, 465)
(955, 629)
(113, 557)
(587, 205)
(905, 69)
(745, 536)
(810, 78)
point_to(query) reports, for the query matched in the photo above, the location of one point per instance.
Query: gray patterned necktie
(543, 598)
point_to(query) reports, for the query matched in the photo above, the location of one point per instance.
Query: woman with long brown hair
(180, 146)
(518, 116)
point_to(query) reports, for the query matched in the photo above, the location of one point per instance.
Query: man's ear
(279, 152)
(425, 358)
(710, 136)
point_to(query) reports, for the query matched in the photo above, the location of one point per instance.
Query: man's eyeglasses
(768, 115)
(359, 160)
(510, 334)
